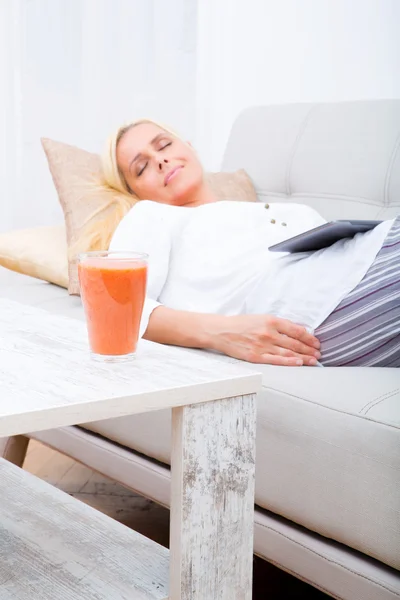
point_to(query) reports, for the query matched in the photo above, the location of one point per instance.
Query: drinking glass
(113, 290)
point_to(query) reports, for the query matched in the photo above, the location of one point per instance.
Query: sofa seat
(327, 452)
(327, 442)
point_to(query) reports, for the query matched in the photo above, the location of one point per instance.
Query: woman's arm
(253, 338)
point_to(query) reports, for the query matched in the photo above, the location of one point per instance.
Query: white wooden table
(52, 546)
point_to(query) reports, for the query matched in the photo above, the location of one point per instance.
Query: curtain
(73, 70)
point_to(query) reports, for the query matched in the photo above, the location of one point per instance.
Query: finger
(285, 342)
(297, 332)
(282, 361)
(307, 360)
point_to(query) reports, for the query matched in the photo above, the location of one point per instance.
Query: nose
(160, 164)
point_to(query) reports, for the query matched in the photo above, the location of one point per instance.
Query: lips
(171, 174)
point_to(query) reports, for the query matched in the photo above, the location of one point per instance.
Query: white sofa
(328, 447)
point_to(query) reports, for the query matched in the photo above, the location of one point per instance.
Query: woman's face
(159, 166)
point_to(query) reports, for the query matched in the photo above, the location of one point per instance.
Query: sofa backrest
(343, 159)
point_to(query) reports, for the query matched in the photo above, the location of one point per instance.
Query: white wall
(276, 51)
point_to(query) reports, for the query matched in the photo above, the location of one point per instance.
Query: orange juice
(113, 291)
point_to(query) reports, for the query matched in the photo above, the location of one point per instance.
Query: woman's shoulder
(146, 219)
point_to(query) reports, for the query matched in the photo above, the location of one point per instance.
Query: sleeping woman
(213, 283)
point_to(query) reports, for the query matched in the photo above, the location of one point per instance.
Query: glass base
(112, 358)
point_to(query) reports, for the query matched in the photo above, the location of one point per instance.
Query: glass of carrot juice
(113, 290)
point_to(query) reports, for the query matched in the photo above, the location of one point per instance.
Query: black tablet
(323, 236)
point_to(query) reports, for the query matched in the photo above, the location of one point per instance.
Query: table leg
(212, 500)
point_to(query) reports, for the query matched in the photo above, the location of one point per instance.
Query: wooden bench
(54, 547)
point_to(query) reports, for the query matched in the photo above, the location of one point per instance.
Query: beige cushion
(78, 180)
(40, 252)
(232, 186)
(86, 201)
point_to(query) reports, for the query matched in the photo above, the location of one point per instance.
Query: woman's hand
(264, 339)
(254, 338)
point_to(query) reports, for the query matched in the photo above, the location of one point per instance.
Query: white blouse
(214, 258)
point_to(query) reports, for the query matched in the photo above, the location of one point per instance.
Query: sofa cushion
(35, 292)
(327, 441)
(39, 252)
(84, 199)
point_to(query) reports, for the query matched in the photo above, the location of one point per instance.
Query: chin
(184, 193)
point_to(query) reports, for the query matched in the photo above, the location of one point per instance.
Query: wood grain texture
(48, 379)
(54, 547)
(212, 500)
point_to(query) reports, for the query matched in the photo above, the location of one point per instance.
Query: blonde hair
(97, 231)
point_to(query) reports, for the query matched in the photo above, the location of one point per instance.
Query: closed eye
(142, 169)
(165, 146)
